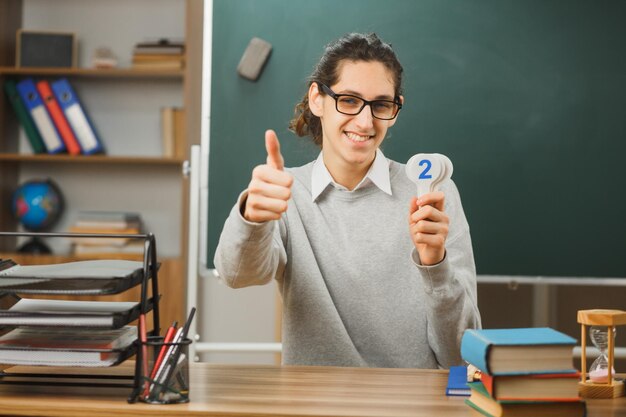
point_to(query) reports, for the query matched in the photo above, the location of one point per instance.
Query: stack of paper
(60, 347)
(108, 276)
(69, 313)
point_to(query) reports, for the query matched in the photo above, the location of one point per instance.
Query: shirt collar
(378, 174)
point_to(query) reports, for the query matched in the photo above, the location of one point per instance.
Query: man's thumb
(272, 146)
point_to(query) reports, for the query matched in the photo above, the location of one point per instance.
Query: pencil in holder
(167, 378)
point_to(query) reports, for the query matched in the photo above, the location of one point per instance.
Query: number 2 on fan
(424, 175)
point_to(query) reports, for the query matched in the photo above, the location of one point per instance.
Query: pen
(175, 394)
(165, 361)
(144, 352)
(169, 336)
(174, 355)
(188, 323)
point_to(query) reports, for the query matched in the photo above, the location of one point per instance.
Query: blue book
(457, 382)
(520, 351)
(39, 115)
(75, 113)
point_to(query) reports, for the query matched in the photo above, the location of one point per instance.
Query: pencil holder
(164, 371)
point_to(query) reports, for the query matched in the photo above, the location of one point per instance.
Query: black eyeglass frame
(336, 96)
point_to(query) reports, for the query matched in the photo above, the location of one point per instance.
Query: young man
(361, 286)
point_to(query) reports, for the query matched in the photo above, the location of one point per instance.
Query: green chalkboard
(527, 98)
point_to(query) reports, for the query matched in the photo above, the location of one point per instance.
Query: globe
(37, 204)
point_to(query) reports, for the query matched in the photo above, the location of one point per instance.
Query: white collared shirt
(378, 174)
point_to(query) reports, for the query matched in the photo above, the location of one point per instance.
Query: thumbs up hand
(272, 146)
(270, 186)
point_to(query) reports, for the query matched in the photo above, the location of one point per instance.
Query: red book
(60, 122)
(534, 387)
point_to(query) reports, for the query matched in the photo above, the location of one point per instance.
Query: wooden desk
(245, 390)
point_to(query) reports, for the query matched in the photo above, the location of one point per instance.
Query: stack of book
(53, 117)
(52, 346)
(107, 222)
(163, 54)
(525, 372)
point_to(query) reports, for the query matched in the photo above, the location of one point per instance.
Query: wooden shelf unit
(173, 270)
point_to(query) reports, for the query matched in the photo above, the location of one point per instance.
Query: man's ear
(315, 100)
(393, 121)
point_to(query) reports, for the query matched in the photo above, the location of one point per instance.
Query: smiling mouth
(356, 137)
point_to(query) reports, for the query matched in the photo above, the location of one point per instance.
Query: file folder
(60, 122)
(37, 110)
(77, 117)
(36, 142)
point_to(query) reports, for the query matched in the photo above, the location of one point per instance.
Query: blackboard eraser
(254, 58)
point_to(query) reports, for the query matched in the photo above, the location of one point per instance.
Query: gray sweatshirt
(354, 292)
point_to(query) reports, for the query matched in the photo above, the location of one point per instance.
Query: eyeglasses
(353, 105)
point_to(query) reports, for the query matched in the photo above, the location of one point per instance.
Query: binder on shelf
(77, 117)
(34, 138)
(37, 110)
(60, 122)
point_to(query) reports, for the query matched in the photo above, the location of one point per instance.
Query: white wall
(118, 24)
(124, 111)
(227, 315)
(241, 315)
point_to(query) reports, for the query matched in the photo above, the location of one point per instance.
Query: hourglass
(601, 382)
(599, 369)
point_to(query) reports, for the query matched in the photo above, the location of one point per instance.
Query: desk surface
(250, 390)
